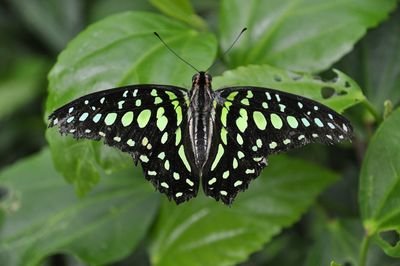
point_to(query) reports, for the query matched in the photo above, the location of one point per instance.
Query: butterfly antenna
(172, 51)
(230, 47)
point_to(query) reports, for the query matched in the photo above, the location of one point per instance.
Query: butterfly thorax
(200, 118)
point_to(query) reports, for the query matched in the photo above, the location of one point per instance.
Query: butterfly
(182, 137)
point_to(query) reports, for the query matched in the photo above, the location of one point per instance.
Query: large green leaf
(379, 191)
(180, 9)
(307, 35)
(43, 215)
(202, 232)
(342, 93)
(116, 51)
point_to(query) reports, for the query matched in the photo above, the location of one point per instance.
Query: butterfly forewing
(144, 120)
(265, 121)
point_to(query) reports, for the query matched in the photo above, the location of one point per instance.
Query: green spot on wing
(110, 119)
(162, 120)
(160, 112)
(162, 123)
(224, 116)
(243, 113)
(259, 120)
(245, 101)
(224, 135)
(239, 139)
(232, 95)
(276, 121)
(220, 152)
(318, 122)
(178, 136)
(96, 118)
(164, 137)
(305, 122)
(235, 163)
(171, 95)
(292, 121)
(127, 118)
(273, 145)
(241, 122)
(143, 118)
(157, 100)
(178, 115)
(181, 153)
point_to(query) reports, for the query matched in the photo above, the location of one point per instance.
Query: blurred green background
(328, 228)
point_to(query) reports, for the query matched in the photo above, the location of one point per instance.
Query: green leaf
(339, 240)
(43, 215)
(21, 84)
(202, 232)
(306, 35)
(379, 191)
(117, 51)
(55, 21)
(343, 92)
(181, 10)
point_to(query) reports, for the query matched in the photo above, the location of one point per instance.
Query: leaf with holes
(42, 215)
(201, 232)
(379, 191)
(303, 35)
(118, 50)
(339, 94)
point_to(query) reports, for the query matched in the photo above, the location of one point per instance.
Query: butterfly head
(201, 79)
(201, 92)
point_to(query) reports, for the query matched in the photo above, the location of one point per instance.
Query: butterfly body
(220, 138)
(201, 115)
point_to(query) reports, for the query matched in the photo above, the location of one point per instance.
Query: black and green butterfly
(221, 138)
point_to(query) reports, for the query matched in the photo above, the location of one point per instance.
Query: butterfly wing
(145, 121)
(231, 169)
(256, 122)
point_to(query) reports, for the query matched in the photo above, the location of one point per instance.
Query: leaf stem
(372, 110)
(363, 250)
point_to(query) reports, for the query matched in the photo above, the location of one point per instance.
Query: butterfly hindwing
(144, 120)
(230, 169)
(170, 168)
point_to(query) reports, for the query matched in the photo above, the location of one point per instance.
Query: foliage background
(313, 206)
